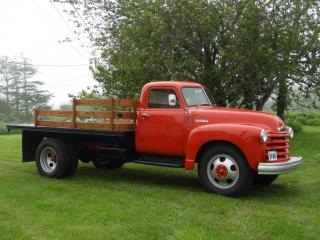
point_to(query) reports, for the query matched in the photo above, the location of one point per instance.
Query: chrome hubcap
(48, 159)
(223, 171)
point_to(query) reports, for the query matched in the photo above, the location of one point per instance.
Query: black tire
(220, 156)
(56, 151)
(73, 160)
(264, 179)
(107, 163)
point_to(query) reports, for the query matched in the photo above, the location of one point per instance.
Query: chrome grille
(279, 142)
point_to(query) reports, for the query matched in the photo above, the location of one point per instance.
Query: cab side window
(159, 98)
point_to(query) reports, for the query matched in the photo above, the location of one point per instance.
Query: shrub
(3, 117)
(295, 124)
(302, 119)
(312, 119)
(313, 122)
(2, 128)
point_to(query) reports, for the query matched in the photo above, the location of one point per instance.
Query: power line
(55, 28)
(58, 65)
(66, 23)
(84, 22)
(66, 80)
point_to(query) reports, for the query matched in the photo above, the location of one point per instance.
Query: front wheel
(223, 170)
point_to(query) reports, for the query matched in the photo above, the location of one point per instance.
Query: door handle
(145, 115)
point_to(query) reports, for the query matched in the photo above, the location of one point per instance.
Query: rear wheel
(52, 159)
(264, 179)
(73, 160)
(107, 163)
(223, 170)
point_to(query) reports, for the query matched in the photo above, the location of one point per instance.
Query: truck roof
(174, 83)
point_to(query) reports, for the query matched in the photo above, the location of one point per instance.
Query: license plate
(272, 155)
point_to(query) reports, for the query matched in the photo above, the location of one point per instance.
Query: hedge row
(297, 119)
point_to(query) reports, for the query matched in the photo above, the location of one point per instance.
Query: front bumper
(275, 168)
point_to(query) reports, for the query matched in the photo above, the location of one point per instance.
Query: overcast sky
(34, 28)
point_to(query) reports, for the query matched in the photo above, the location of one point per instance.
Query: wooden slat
(94, 102)
(123, 127)
(74, 110)
(126, 103)
(112, 114)
(123, 121)
(93, 114)
(54, 124)
(54, 113)
(35, 117)
(125, 115)
(112, 120)
(98, 126)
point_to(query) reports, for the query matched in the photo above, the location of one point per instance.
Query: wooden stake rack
(120, 115)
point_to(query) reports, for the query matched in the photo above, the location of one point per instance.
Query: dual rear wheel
(57, 159)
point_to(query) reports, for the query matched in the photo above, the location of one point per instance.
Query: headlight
(290, 132)
(264, 135)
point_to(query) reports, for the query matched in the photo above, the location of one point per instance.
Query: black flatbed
(31, 127)
(32, 136)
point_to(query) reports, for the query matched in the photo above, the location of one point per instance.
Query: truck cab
(174, 124)
(232, 147)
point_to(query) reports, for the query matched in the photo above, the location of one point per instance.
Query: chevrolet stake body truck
(175, 124)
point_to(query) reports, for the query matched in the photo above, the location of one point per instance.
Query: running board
(166, 161)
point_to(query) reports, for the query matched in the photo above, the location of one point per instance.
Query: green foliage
(2, 126)
(243, 51)
(311, 118)
(3, 117)
(4, 131)
(19, 94)
(295, 124)
(313, 122)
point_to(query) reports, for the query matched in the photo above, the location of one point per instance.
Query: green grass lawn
(145, 202)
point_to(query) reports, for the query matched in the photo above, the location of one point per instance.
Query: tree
(244, 51)
(298, 50)
(5, 80)
(18, 91)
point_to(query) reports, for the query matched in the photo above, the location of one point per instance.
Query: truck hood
(216, 115)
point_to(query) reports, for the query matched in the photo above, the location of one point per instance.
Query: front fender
(245, 137)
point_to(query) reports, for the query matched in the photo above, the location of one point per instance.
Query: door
(161, 124)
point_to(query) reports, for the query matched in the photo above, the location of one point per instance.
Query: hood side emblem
(201, 120)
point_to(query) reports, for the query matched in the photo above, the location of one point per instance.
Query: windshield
(209, 95)
(195, 96)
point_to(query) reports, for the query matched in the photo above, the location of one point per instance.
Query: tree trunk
(282, 98)
(25, 91)
(6, 78)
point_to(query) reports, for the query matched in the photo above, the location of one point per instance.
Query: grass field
(144, 202)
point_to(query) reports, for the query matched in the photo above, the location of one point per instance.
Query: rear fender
(30, 142)
(245, 137)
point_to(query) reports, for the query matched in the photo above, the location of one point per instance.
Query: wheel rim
(48, 159)
(223, 171)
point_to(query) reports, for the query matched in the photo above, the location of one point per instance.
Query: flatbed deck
(32, 136)
(78, 131)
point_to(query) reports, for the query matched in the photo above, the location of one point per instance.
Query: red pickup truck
(174, 124)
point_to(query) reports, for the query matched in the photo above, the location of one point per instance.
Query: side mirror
(172, 100)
